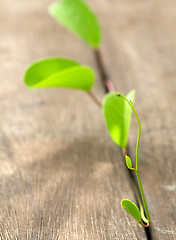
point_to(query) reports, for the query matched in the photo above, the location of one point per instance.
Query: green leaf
(128, 162)
(132, 209)
(58, 72)
(79, 19)
(117, 113)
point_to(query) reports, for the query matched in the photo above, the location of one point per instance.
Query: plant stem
(108, 85)
(94, 98)
(139, 134)
(139, 126)
(143, 196)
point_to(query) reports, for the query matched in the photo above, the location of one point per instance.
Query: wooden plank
(61, 176)
(60, 173)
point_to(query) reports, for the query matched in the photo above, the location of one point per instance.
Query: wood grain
(61, 176)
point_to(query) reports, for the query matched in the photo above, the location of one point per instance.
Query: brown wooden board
(61, 176)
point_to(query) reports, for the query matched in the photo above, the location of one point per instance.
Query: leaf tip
(51, 9)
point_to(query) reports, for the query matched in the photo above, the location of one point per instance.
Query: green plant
(59, 72)
(127, 204)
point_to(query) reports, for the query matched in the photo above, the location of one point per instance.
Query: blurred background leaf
(77, 16)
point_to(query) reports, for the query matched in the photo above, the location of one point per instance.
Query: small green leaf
(128, 162)
(132, 209)
(117, 113)
(58, 72)
(78, 18)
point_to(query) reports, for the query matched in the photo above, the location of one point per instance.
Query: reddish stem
(108, 85)
(94, 98)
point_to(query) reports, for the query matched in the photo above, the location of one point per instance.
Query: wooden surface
(61, 176)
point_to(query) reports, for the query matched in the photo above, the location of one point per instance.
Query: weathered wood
(61, 177)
